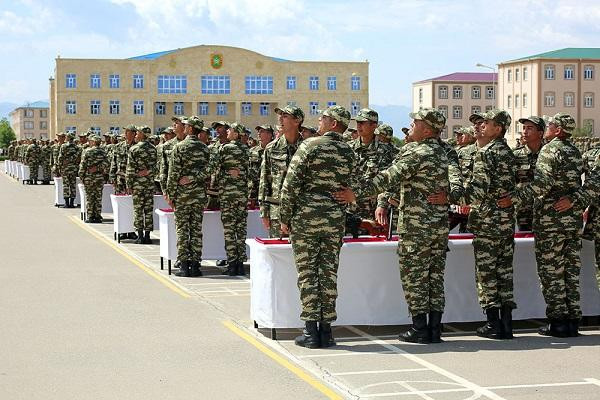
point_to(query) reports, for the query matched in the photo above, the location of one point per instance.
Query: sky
(404, 41)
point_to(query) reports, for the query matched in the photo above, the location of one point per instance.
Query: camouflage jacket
(188, 158)
(320, 167)
(233, 155)
(420, 170)
(94, 157)
(118, 162)
(33, 155)
(256, 155)
(141, 156)
(372, 158)
(276, 159)
(69, 158)
(11, 152)
(165, 160)
(493, 176)
(466, 159)
(557, 173)
(454, 174)
(54, 160)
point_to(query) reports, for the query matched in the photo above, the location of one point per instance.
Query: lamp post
(493, 79)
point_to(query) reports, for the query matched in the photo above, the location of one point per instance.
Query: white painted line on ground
(593, 381)
(364, 353)
(383, 371)
(362, 339)
(415, 391)
(466, 383)
(538, 385)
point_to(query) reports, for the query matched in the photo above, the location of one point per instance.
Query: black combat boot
(573, 327)
(506, 321)
(72, 202)
(325, 334)
(418, 332)
(140, 237)
(68, 202)
(184, 269)
(195, 269)
(221, 263)
(132, 235)
(309, 337)
(232, 268)
(435, 327)
(556, 327)
(147, 239)
(241, 270)
(492, 329)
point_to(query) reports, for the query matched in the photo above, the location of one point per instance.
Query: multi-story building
(557, 81)
(213, 82)
(457, 95)
(30, 120)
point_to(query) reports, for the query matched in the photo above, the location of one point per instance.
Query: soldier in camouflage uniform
(141, 165)
(493, 226)
(162, 160)
(385, 133)
(526, 157)
(465, 156)
(315, 221)
(233, 192)
(421, 170)
(559, 203)
(60, 137)
(186, 193)
(591, 231)
(276, 159)
(46, 159)
(118, 165)
(68, 161)
(33, 158)
(308, 132)
(220, 128)
(92, 169)
(11, 150)
(265, 136)
(173, 134)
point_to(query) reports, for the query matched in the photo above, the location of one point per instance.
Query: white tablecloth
(122, 206)
(6, 166)
(59, 199)
(23, 172)
(213, 243)
(107, 190)
(370, 292)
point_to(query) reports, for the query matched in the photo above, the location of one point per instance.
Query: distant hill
(6, 108)
(396, 116)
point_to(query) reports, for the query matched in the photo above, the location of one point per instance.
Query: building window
(457, 92)
(354, 108)
(588, 100)
(355, 83)
(508, 101)
(95, 81)
(28, 113)
(71, 107)
(549, 99)
(516, 74)
(95, 107)
(457, 112)
(70, 129)
(138, 107)
(95, 130)
(291, 83)
(549, 72)
(265, 108)
(246, 108)
(114, 130)
(420, 95)
(71, 81)
(178, 108)
(444, 134)
(489, 108)
(313, 83)
(331, 83)
(203, 108)
(443, 92)
(588, 72)
(475, 109)
(588, 124)
(215, 84)
(313, 107)
(291, 103)
(114, 81)
(490, 93)
(138, 81)
(569, 99)
(525, 74)
(443, 110)
(43, 113)
(160, 108)
(509, 75)
(28, 124)
(331, 104)
(173, 84)
(476, 92)
(524, 94)
(221, 108)
(569, 72)
(43, 124)
(114, 106)
(259, 85)
(516, 99)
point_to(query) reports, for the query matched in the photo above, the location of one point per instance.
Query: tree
(585, 131)
(7, 135)
(397, 141)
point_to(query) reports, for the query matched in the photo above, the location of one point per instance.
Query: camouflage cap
(338, 113)
(265, 127)
(385, 130)
(562, 120)
(219, 123)
(467, 130)
(131, 127)
(537, 121)
(107, 133)
(70, 135)
(179, 118)
(351, 130)
(61, 134)
(168, 129)
(237, 127)
(94, 138)
(475, 116)
(86, 133)
(308, 127)
(194, 121)
(294, 111)
(144, 129)
(366, 114)
(347, 136)
(500, 117)
(432, 117)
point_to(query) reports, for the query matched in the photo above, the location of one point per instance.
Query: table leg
(273, 334)
(169, 264)
(162, 264)
(255, 325)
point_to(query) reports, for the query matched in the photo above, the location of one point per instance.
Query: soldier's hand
(285, 229)
(235, 172)
(504, 202)
(381, 215)
(563, 204)
(266, 222)
(439, 198)
(184, 180)
(464, 210)
(345, 196)
(143, 172)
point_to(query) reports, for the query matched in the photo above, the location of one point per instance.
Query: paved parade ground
(83, 317)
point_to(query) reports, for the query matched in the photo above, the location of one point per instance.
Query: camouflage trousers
(46, 172)
(525, 218)
(33, 171)
(69, 184)
(317, 261)
(234, 217)
(275, 229)
(143, 208)
(120, 186)
(422, 272)
(494, 270)
(559, 265)
(188, 223)
(93, 197)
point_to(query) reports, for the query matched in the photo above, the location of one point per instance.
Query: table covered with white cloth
(122, 206)
(59, 199)
(370, 291)
(107, 190)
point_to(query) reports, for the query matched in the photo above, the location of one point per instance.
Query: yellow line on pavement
(137, 263)
(299, 372)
